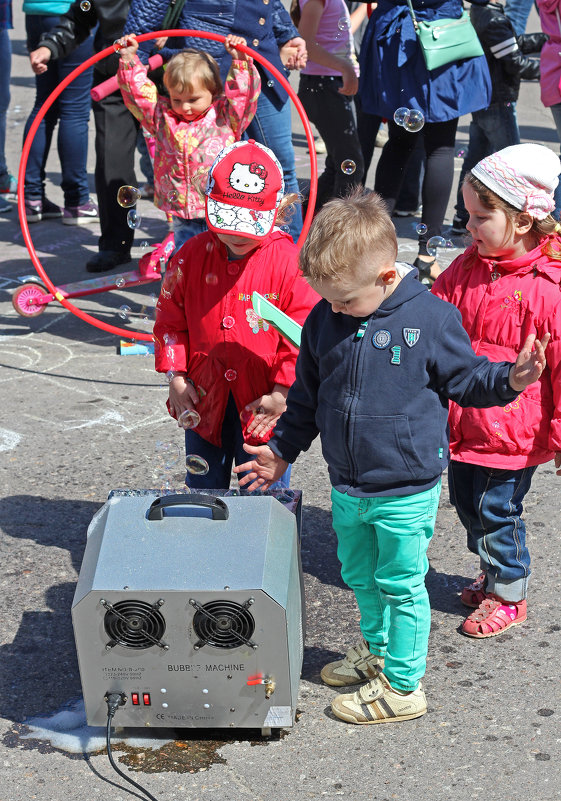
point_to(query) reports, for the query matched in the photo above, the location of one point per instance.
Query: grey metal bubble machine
(191, 605)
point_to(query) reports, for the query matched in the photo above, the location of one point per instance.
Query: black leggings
(439, 138)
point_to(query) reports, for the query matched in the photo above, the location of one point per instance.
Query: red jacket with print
(501, 304)
(206, 326)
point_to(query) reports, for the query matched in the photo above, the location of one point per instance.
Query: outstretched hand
(263, 470)
(530, 364)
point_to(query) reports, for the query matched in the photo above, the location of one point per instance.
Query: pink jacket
(550, 60)
(498, 316)
(185, 150)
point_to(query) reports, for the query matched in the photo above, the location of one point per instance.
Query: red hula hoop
(140, 335)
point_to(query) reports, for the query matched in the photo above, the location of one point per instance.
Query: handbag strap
(413, 17)
(171, 17)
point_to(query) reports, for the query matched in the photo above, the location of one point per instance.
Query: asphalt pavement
(79, 420)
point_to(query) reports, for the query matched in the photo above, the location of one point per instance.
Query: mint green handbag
(444, 41)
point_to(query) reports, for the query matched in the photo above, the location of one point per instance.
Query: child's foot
(378, 702)
(474, 593)
(493, 616)
(358, 665)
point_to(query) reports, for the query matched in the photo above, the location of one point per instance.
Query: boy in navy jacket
(379, 360)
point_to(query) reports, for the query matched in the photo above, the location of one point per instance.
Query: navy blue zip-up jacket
(380, 400)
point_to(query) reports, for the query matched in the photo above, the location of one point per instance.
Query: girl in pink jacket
(506, 286)
(191, 126)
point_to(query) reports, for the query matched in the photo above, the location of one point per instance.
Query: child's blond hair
(189, 64)
(540, 228)
(344, 235)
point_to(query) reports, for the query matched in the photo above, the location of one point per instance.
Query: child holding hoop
(191, 126)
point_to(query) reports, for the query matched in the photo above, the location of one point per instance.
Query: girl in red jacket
(506, 286)
(229, 371)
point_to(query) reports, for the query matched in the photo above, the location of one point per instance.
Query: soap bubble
(188, 419)
(124, 312)
(85, 5)
(211, 279)
(119, 281)
(414, 121)
(450, 245)
(460, 153)
(117, 46)
(167, 453)
(196, 465)
(421, 229)
(173, 195)
(434, 243)
(343, 24)
(143, 245)
(134, 220)
(270, 84)
(128, 196)
(400, 114)
(348, 166)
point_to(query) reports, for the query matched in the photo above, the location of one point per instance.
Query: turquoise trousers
(382, 547)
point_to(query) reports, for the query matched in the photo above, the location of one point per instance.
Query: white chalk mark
(8, 439)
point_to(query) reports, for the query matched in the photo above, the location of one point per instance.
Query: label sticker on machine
(278, 716)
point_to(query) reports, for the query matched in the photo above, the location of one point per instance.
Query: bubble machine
(191, 606)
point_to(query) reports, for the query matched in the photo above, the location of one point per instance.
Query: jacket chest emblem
(411, 336)
(256, 323)
(381, 339)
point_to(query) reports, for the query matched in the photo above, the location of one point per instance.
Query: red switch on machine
(135, 699)
(146, 699)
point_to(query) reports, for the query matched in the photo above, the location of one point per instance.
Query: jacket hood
(409, 287)
(534, 259)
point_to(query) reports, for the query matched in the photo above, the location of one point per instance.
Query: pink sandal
(493, 616)
(473, 594)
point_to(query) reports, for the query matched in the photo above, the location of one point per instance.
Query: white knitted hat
(524, 175)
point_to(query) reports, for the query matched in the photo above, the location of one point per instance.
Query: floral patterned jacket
(185, 150)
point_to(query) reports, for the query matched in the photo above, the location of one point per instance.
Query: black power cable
(114, 701)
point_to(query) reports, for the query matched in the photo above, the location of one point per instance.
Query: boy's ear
(388, 276)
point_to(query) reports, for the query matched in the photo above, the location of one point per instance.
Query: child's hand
(128, 46)
(39, 58)
(558, 462)
(266, 411)
(230, 45)
(264, 470)
(350, 80)
(182, 395)
(160, 42)
(293, 53)
(530, 364)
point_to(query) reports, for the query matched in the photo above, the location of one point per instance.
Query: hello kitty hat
(244, 188)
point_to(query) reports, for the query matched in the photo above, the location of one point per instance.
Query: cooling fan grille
(134, 624)
(223, 624)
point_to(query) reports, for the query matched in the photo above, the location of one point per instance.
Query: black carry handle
(219, 508)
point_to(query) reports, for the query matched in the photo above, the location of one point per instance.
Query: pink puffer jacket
(550, 58)
(498, 316)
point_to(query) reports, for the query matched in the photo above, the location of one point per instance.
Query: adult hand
(294, 54)
(530, 364)
(39, 59)
(263, 470)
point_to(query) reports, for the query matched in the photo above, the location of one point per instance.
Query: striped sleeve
(504, 48)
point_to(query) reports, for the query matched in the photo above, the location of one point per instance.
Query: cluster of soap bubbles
(85, 5)
(147, 312)
(412, 119)
(127, 198)
(436, 242)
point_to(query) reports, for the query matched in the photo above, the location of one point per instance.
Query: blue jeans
(5, 68)
(556, 112)
(185, 229)
(333, 114)
(490, 130)
(272, 127)
(518, 12)
(72, 112)
(220, 459)
(489, 504)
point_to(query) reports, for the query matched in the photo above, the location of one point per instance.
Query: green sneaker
(378, 702)
(358, 665)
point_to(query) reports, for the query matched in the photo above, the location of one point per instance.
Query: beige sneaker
(378, 702)
(358, 665)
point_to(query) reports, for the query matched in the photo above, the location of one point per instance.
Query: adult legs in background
(556, 112)
(333, 115)
(220, 460)
(367, 127)
(489, 505)
(185, 229)
(489, 130)
(115, 142)
(409, 197)
(518, 12)
(6, 182)
(71, 110)
(272, 127)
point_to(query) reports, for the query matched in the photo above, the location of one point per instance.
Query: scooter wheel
(25, 300)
